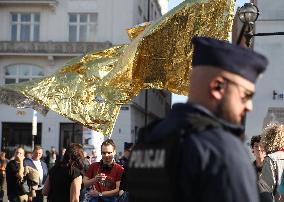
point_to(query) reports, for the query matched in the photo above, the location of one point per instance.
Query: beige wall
(271, 19)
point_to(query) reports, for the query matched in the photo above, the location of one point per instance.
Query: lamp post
(146, 90)
(248, 14)
(34, 128)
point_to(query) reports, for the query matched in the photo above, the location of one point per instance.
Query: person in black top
(259, 153)
(211, 162)
(64, 181)
(125, 158)
(63, 150)
(14, 174)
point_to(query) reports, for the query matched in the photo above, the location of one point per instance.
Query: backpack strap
(275, 170)
(276, 177)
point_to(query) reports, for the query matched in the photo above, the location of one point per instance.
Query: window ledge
(50, 48)
(51, 3)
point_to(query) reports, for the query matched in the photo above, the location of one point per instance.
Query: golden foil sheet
(135, 31)
(160, 57)
(90, 89)
(272, 137)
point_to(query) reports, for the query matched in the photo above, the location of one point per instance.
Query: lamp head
(248, 13)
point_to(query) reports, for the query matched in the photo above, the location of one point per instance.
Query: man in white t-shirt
(37, 163)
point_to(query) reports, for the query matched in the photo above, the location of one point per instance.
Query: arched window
(22, 72)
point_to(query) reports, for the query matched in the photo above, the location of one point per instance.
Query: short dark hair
(255, 139)
(37, 147)
(108, 142)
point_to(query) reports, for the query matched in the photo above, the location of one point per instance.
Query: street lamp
(248, 14)
(146, 90)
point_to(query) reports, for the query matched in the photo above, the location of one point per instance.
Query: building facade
(269, 99)
(38, 36)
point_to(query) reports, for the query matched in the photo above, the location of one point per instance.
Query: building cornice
(50, 48)
(50, 3)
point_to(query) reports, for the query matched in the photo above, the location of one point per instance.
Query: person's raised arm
(88, 182)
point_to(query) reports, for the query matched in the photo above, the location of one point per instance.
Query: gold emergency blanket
(90, 89)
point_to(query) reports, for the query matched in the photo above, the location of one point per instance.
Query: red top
(112, 177)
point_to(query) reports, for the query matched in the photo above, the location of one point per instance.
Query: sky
(172, 4)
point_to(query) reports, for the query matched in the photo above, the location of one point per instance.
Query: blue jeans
(123, 197)
(82, 194)
(104, 199)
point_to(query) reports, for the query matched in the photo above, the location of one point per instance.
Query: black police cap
(227, 56)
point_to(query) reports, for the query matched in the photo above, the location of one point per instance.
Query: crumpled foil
(90, 89)
(138, 29)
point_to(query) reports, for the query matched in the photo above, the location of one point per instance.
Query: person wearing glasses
(212, 164)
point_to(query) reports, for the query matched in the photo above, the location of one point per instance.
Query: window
(15, 134)
(82, 27)
(70, 133)
(22, 72)
(124, 108)
(25, 26)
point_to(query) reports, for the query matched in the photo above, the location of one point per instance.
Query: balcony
(50, 3)
(50, 48)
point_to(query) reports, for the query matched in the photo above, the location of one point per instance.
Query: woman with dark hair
(65, 179)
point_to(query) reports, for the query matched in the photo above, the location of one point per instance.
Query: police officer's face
(236, 102)
(108, 154)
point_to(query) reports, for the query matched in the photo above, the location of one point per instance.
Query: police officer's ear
(217, 87)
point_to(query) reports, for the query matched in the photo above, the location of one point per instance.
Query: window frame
(32, 24)
(18, 76)
(78, 24)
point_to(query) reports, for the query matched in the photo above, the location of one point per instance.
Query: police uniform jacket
(214, 166)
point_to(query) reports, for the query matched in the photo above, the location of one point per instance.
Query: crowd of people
(71, 175)
(268, 149)
(195, 154)
(25, 174)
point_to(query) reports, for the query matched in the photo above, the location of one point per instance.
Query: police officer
(213, 164)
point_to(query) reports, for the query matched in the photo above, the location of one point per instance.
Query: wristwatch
(100, 194)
